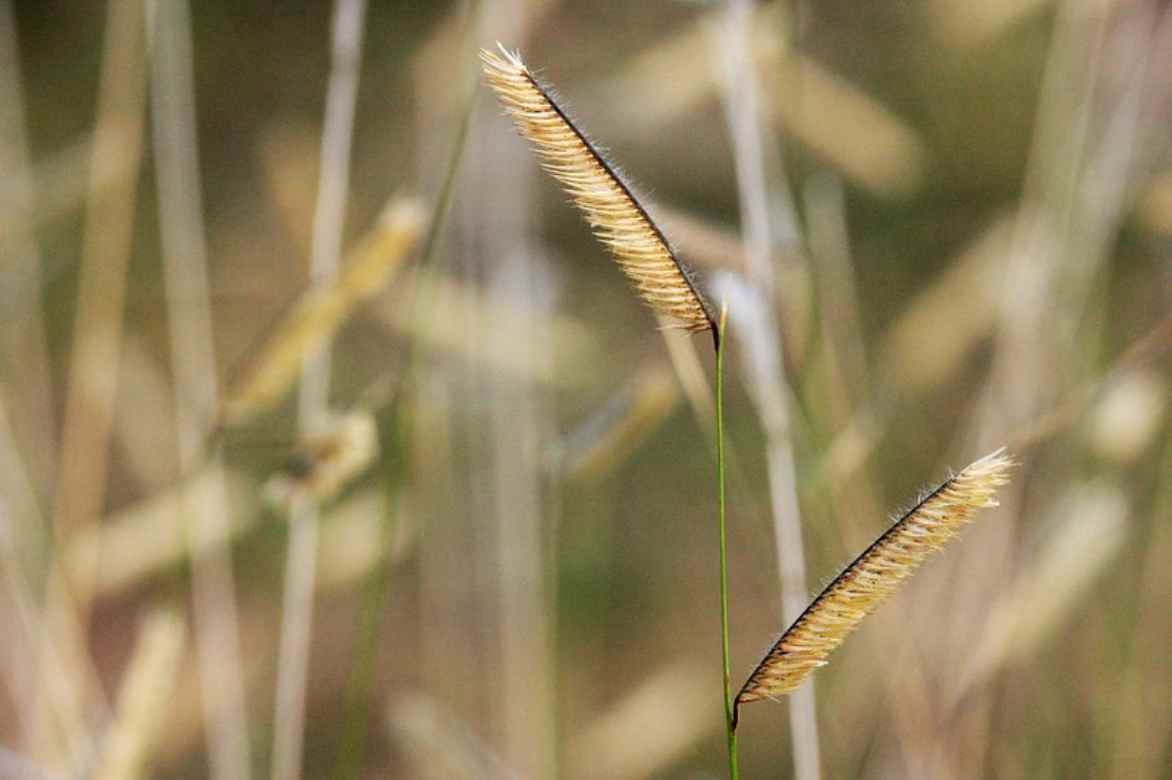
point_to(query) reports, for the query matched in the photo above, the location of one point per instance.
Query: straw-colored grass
(617, 217)
(143, 698)
(873, 576)
(318, 315)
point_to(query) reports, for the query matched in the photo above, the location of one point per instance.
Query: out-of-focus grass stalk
(1087, 531)
(1138, 49)
(61, 183)
(838, 305)
(146, 538)
(1143, 728)
(30, 435)
(144, 698)
(655, 724)
(1026, 376)
(766, 209)
(97, 335)
(360, 695)
(313, 398)
(22, 339)
(518, 279)
(315, 318)
(93, 373)
(442, 123)
(568, 339)
(838, 122)
(20, 516)
(196, 396)
(685, 361)
(608, 437)
(439, 744)
(730, 725)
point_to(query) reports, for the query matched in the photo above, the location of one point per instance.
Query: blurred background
(333, 445)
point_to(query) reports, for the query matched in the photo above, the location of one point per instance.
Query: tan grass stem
(206, 512)
(322, 310)
(97, 338)
(873, 576)
(347, 25)
(35, 659)
(617, 217)
(144, 698)
(23, 341)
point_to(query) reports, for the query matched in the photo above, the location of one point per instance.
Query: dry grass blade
(874, 576)
(143, 698)
(320, 312)
(616, 216)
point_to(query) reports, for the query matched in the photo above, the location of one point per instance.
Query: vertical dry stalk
(309, 327)
(22, 344)
(444, 84)
(1081, 150)
(93, 374)
(617, 217)
(28, 631)
(97, 332)
(313, 399)
(193, 362)
(439, 745)
(873, 576)
(144, 698)
(618, 744)
(22, 339)
(1089, 528)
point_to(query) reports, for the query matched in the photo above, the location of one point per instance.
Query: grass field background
(475, 535)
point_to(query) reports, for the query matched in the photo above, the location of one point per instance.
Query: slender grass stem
(729, 722)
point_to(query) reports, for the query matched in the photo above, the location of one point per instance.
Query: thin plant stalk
(24, 345)
(217, 635)
(95, 349)
(445, 88)
(725, 669)
(24, 342)
(313, 398)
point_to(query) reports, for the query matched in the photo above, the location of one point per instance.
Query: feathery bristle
(873, 576)
(617, 218)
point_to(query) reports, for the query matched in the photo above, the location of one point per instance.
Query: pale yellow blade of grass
(616, 216)
(873, 576)
(144, 698)
(317, 316)
(606, 439)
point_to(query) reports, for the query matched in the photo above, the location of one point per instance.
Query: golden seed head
(617, 218)
(874, 576)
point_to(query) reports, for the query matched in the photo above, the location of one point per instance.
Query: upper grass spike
(617, 217)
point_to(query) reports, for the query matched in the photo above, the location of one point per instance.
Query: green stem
(729, 724)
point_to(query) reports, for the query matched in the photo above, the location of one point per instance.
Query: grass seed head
(618, 219)
(873, 576)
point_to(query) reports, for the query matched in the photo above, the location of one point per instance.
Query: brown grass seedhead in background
(874, 576)
(610, 207)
